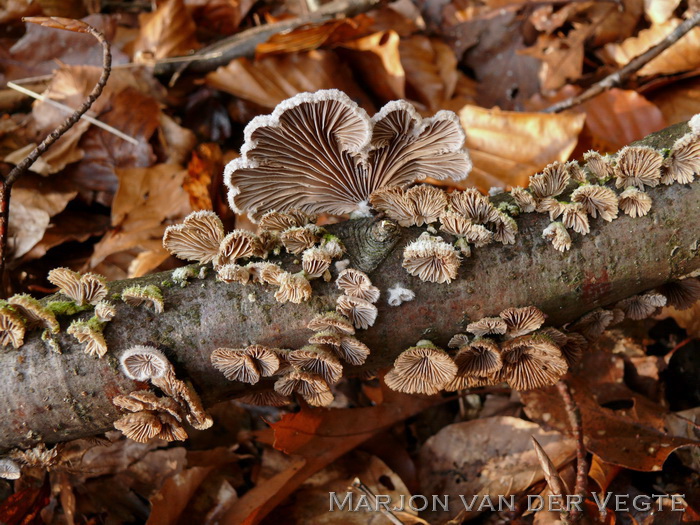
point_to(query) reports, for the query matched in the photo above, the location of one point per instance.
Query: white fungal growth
(342, 264)
(398, 294)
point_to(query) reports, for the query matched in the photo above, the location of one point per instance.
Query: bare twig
(556, 485)
(634, 65)
(21, 168)
(357, 484)
(574, 414)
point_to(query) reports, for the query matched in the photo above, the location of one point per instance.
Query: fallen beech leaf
(69, 226)
(679, 101)
(23, 507)
(169, 502)
(684, 55)
(221, 16)
(13, 10)
(485, 457)
(177, 141)
(316, 438)
(613, 21)
(618, 117)
(659, 11)
(376, 59)
(688, 319)
(205, 166)
(269, 81)
(168, 31)
(27, 227)
(148, 260)
(507, 147)
(602, 473)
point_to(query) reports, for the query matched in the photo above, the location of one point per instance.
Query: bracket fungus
(361, 313)
(638, 166)
(90, 333)
(265, 398)
(317, 360)
(422, 369)
(34, 313)
(239, 244)
(197, 239)
(247, 365)
(471, 204)
(681, 294)
(521, 321)
(276, 222)
(594, 323)
(320, 152)
(149, 296)
(556, 233)
(531, 361)
(599, 166)
(312, 387)
(431, 259)
(597, 200)
(143, 363)
(641, 306)
(315, 262)
(683, 161)
(89, 288)
(331, 321)
(105, 311)
(551, 182)
(635, 203)
(478, 364)
(357, 284)
(487, 326)
(9, 469)
(293, 288)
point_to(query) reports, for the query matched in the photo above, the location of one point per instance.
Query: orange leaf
(57, 22)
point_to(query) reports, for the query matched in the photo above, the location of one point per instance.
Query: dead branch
(20, 169)
(54, 397)
(634, 65)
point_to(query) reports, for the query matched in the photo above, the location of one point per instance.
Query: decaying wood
(51, 397)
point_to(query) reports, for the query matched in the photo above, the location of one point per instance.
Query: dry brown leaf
(27, 227)
(684, 55)
(169, 502)
(375, 58)
(688, 319)
(13, 10)
(659, 11)
(507, 147)
(168, 31)
(69, 226)
(176, 141)
(679, 101)
(618, 117)
(612, 21)
(486, 457)
(220, 16)
(269, 81)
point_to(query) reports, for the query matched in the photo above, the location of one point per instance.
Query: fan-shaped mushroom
(197, 238)
(531, 361)
(317, 360)
(331, 320)
(83, 289)
(431, 259)
(556, 233)
(239, 244)
(294, 288)
(597, 200)
(90, 333)
(487, 325)
(681, 294)
(362, 313)
(422, 369)
(641, 306)
(143, 363)
(312, 387)
(522, 321)
(245, 364)
(635, 203)
(357, 284)
(149, 295)
(34, 312)
(478, 364)
(683, 162)
(638, 166)
(551, 182)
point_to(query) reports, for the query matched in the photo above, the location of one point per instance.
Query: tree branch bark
(57, 397)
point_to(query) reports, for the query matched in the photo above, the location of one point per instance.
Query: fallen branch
(20, 169)
(54, 397)
(634, 65)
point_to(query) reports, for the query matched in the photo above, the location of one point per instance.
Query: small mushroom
(276, 222)
(455, 223)
(149, 296)
(265, 272)
(531, 361)
(556, 233)
(233, 273)
(551, 182)
(298, 239)
(361, 313)
(239, 244)
(429, 203)
(105, 311)
(315, 261)
(487, 326)
(573, 348)
(197, 238)
(523, 198)
(265, 398)
(9, 469)
(34, 312)
(333, 246)
(144, 363)
(576, 172)
(312, 387)
(683, 162)
(185, 395)
(294, 288)
(505, 228)
(594, 323)
(146, 400)
(681, 294)
(638, 166)
(357, 284)
(635, 203)
(399, 294)
(245, 364)
(599, 166)
(349, 349)
(422, 369)
(478, 364)
(333, 321)
(396, 204)
(550, 205)
(458, 341)
(139, 426)
(473, 205)
(597, 200)
(317, 360)
(575, 217)
(522, 321)
(431, 259)
(90, 333)
(83, 289)
(641, 306)
(171, 429)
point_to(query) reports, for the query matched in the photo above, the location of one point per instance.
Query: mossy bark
(56, 397)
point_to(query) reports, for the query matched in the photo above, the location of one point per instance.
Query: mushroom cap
(332, 246)
(86, 289)
(320, 152)
(641, 306)
(574, 347)
(171, 429)
(473, 205)
(265, 272)
(396, 204)
(147, 400)
(149, 295)
(11, 328)
(599, 166)
(638, 166)
(245, 364)
(409, 385)
(458, 341)
(635, 203)
(681, 294)
(34, 312)
(556, 233)
(184, 393)
(293, 288)
(551, 182)
(239, 244)
(197, 238)
(317, 360)
(531, 361)
(312, 387)
(523, 198)
(353, 351)
(91, 335)
(523, 320)
(431, 259)
(478, 364)
(425, 363)
(550, 205)
(487, 325)
(268, 398)
(233, 273)
(594, 323)
(361, 313)
(455, 223)
(277, 222)
(315, 261)
(330, 338)
(505, 228)
(683, 162)
(105, 311)
(331, 320)
(143, 363)
(9, 469)
(357, 284)
(575, 217)
(140, 426)
(597, 200)
(298, 239)
(576, 172)
(429, 202)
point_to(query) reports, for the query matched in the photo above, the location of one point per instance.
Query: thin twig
(68, 109)
(574, 414)
(21, 168)
(634, 65)
(357, 484)
(556, 485)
